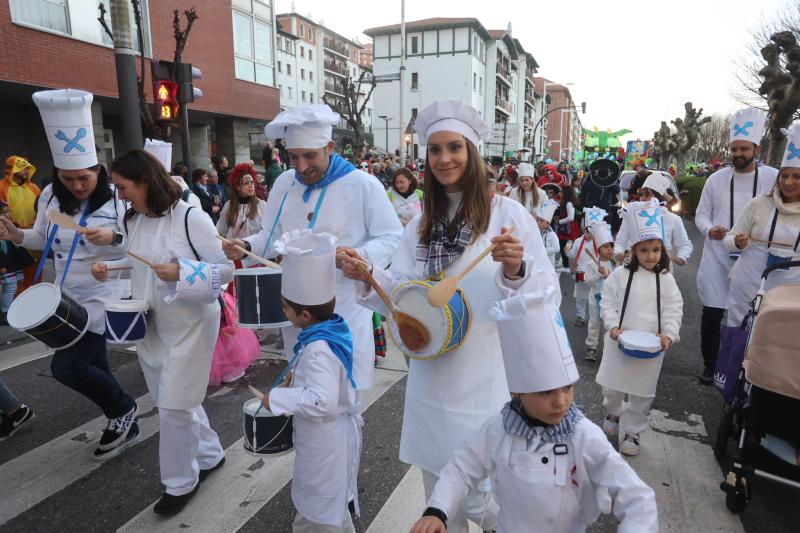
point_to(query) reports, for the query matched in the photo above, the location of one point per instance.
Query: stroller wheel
(724, 432)
(737, 499)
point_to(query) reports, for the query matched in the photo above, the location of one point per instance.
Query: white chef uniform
(327, 426)
(354, 209)
(545, 211)
(594, 281)
(581, 262)
(555, 478)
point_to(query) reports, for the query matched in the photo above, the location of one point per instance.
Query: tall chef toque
(645, 221)
(309, 126)
(308, 267)
(748, 124)
(450, 115)
(67, 118)
(601, 233)
(791, 156)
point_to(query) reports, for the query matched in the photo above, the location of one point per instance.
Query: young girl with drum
(81, 191)
(178, 267)
(450, 394)
(642, 309)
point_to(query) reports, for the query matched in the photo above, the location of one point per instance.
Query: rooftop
(431, 23)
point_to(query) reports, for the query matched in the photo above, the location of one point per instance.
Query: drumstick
(257, 393)
(773, 243)
(112, 269)
(265, 262)
(142, 259)
(593, 257)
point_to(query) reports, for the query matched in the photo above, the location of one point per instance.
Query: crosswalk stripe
(47, 469)
(24, 353)
(234, 494)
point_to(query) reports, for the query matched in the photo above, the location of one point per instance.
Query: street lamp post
(386, 120)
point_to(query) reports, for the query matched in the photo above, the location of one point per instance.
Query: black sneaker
(707, 377)
(117, 430)
(9, 424)
(169, 504)
(3, 319)
(205, 473)
(132, 437)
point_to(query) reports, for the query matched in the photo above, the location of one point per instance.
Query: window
(252, 44)
(414, 45)
(312, 98)
(302, 73)
(49, 14)
(304, 95)
(310, 55)
(483, 52)
(279, 67)
(474, 80)
(415, 80)
(302, 52)
(414, 111)
(311, 75)
(302, 30)
(280, 89)
(480, 85)
(475, 48)
(288, 69)
(289, 92)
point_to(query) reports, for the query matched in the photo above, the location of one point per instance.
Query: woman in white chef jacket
(448, 398)
(81, 189)
(526, 191)
(181, 289)
(678, 244)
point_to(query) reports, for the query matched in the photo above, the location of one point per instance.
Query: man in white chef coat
(326, 193)
(724, 195)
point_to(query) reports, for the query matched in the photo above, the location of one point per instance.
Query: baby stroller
(764, 417)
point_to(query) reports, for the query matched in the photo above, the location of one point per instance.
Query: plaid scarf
(442, 250)
(517, 423)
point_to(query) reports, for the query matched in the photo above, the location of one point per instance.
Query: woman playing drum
(81, 190)
(449, 397)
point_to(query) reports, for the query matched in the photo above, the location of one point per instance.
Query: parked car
(626, 178)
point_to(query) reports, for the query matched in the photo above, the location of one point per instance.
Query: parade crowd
(489, 415)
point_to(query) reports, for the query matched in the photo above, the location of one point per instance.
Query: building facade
(564, 129)
(56, 44)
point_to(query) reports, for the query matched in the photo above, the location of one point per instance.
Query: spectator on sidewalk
(272, 169)
(200, 188)
(20, 194)
(13, 259)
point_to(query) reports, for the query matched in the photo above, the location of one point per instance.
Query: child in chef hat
(321, 392)
(597, 270)
(544, 219)
(551, 468)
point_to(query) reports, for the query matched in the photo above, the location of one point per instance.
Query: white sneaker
(611, 425)
(630, 444)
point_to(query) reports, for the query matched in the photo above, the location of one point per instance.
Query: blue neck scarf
(336, 333)
(337, 168)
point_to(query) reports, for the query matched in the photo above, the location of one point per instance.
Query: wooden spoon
(413, 333)
(440, 294)
(265, 262)
(64, 221)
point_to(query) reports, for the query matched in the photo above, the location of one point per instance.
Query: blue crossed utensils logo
(197, 271)
(71, 144)
(794, 152)
(651, 219)
(742, 130)
(558, 319)
(595, 216)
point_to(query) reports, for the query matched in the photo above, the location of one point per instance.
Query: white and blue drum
(448, 325)
(264, 432)
(126, 321)
(47, 314)
(640, 344)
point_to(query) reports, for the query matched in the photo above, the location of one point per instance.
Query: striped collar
(517, 423)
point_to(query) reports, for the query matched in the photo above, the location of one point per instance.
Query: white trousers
(186, 444)
(580, 305)
(478, 506)
(632, 413)
(595, 325)
(302, 524)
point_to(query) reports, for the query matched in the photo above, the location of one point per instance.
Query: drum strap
(755, 190)
(627, 293)
(280, 378)
(772, 231)
(275, 222)
(49, 245)
(75, 240)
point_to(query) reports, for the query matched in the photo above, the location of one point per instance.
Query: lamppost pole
(386, 120)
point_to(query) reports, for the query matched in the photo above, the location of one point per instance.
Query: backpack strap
(188, 237)
(625, 299)
(658, 300)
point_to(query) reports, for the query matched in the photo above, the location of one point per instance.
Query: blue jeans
(8, 289)
(8, 402)
(83, 368)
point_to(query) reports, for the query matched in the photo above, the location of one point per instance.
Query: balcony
(334, 87)
(335, 68)
(529, 98)
(502, 105)
(336, 46)
(503, 74)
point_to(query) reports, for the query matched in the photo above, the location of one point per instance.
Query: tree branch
(102, 20)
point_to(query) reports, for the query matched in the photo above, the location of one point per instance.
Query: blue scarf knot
(336, 333)
(337, 167)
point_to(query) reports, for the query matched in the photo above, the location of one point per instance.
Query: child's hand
(100, 271)
(603, 271)
(614, 333)
(428, 524)
(666, 342)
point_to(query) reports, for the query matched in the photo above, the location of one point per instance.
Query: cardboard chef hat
(198, 282)
(67, 118)
(748, 124)
(309, 126)
(644, 221)
(791, 156)
(526, 169)
(308, 268)
(601, 233)
(160, 150)
(450, 115)
(536, 351)
(657, 182)
(546, 210)
(594, 215)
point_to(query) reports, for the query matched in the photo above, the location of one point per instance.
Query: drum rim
(34, 288)
(126, 306)
(264, 412)
(255, 271)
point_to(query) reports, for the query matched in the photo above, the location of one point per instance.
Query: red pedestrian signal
(165, 92)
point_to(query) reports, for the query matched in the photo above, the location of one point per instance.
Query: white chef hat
(309, 126)
(160, 150)
(645, 221)
(308, 267)
(791, 156)
(594, 215)
(198, 281)
(67, 118)
(536, 351)
(601, 233)
(450, 115)
(748, 124)
(657, 182)
(547, 209)
(526, 169)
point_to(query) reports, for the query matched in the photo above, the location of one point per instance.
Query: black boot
(169, 504)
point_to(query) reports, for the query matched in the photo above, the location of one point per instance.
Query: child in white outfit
(596, 273)
(544, 218)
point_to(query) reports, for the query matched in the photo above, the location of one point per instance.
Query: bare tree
(353, 105)
(781, 87)
(714, 138)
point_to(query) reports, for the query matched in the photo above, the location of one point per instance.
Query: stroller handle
(777, 266)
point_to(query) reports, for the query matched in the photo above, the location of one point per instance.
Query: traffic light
(165, 91)
(185, 75)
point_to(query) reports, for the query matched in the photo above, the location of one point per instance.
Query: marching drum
(640, 344)
(580, 277)
(258, 291)
(447, 325)
(126, 321)
(265, 433)
(48, 315)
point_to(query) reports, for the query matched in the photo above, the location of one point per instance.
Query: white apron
(745, 276)
(175, 355)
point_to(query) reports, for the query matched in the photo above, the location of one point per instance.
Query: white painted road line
(234, 494)
(43, 471)
(23, 353)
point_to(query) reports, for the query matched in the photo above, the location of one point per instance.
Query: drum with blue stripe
(448, 325)
(640, 344)
(126, 321)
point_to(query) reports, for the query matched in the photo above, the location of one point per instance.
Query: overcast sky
(634, 63)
